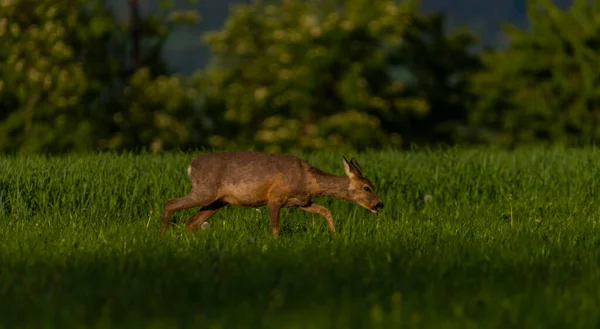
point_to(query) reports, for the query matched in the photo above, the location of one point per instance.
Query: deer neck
(331, 185)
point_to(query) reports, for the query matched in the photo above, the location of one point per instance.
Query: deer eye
(366, 188)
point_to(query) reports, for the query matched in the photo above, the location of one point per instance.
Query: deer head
(361, 189)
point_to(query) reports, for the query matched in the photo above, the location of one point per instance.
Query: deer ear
(351, 171)
(355, 164)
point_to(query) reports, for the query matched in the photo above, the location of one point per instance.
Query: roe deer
(254, 179)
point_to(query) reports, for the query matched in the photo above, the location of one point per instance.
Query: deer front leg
(318, 209)
(274, 209)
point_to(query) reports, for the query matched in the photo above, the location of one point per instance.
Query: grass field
(506, 240)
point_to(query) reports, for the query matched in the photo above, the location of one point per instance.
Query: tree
(440, 66)
(545, 86)
(150, 108)
(67, 84)
(41, 81)
(309, 74)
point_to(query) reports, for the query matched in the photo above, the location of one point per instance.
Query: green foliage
(150, 108)
(440, 64)
(321, 74)
(507, 240)
(309, 74)
(160, 113)
(544, 86)
(285, 75)
(41, 83)
(66, 83)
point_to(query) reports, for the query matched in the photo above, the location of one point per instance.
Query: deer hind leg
(186, 202)
(204, 214)
(318, 209)
(274, 210)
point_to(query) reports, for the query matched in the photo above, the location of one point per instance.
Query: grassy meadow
(468, 239)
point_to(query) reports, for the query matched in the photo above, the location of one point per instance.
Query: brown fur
(254, 179)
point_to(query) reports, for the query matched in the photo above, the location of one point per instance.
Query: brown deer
(254, 179)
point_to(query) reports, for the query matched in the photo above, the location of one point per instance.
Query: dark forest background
(88, 75)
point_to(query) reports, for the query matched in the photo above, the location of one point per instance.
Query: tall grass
(468, 239)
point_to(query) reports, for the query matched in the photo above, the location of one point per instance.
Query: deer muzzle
(377, 207)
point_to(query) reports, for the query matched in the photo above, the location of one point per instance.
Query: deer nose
(379, 205)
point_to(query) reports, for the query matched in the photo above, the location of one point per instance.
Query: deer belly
(249, 195)
(296, 201)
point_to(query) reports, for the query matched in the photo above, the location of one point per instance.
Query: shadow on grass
(354, 287)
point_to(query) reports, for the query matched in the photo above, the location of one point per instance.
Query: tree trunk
(136, 31)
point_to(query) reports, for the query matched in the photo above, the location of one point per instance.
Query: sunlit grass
(468, 239)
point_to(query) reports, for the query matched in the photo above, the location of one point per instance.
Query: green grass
(508, 240)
